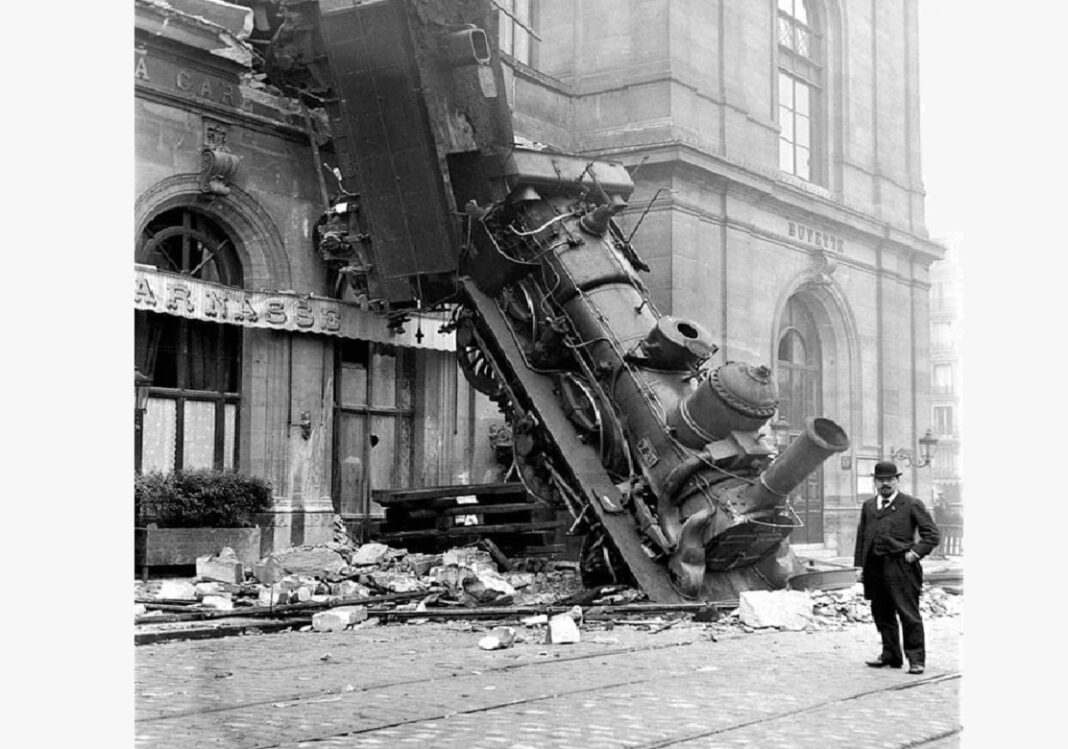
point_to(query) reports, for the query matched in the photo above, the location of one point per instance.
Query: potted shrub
(182, 515)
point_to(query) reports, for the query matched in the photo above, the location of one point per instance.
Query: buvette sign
(184, 296)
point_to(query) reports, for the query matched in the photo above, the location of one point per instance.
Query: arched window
(801, 117)
(193, 367)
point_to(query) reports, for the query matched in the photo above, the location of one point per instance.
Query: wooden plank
(472, 530)
(410, 506)
(492, 509)
(390, 497)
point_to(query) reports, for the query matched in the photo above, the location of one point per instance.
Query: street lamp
(927, 442)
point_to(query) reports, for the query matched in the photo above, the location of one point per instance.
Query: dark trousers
(894, 585)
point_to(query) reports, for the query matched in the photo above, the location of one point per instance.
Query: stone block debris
(272, 595)
(372, 553)
(563, 628)
(223, 567)
(222, 602)
(338, 619)
(349, 589)
(268, 571)
(178, 590)
(786, 609)
(212, 588)
(314, 561)
(499, 638)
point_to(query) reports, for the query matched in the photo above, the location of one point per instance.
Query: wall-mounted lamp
(927, 442)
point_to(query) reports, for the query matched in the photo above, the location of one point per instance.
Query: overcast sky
(993, 93)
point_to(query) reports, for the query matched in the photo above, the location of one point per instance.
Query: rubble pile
(346, 580)
(343, 572)
(832, 609)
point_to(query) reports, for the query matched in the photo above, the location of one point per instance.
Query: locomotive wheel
(518, 304)
(585, 410)
(600, 563)
(474, 364)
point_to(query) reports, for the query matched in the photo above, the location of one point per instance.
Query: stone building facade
(947, 407)
(247, 354)
(775, 147)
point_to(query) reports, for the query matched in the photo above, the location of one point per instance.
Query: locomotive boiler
(619, 413)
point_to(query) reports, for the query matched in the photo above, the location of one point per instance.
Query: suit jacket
(895, 529)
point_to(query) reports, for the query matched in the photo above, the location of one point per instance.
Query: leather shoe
(880, 663)
(915, 669)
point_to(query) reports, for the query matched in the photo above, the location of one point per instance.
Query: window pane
(786, 37)
(802, 136)
(786, 91)
(229, 434)
(384, 380)
(800, 11)
(198, 441)
(786, 121)
(384, 453)
(522, 40)
(350, 459)
(802, 42)
(406, 379)
(157, 445)
(504, 35)
(353, 385)
(786, 155)
(522, 45)
(786, 6)
(802, 163)
(801, 103)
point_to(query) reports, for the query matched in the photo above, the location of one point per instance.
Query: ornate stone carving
(217, 168)
(823, 267)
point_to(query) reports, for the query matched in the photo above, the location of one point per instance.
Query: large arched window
(801, 118)
(192, 367)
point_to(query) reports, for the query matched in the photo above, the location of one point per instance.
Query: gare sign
(168, 75)
(184, 296)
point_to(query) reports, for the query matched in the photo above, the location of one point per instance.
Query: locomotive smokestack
(820, 439)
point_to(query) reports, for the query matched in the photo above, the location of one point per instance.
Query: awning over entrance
(184, 296)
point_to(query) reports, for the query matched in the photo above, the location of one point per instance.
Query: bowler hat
(884, 469)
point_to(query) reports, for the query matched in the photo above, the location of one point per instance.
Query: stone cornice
(159, 19)
(265, 124)
(811, 201)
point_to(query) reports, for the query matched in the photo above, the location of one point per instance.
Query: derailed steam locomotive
(619, 413)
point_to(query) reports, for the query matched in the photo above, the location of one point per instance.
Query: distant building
(946, 377)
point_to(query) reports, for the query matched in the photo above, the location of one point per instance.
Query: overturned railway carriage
(620, 414)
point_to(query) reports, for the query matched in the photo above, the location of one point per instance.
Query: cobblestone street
(693, 685)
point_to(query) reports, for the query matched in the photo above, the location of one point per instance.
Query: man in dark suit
(894, 533)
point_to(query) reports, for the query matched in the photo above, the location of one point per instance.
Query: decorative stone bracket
(217, 168)
(823, 267)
